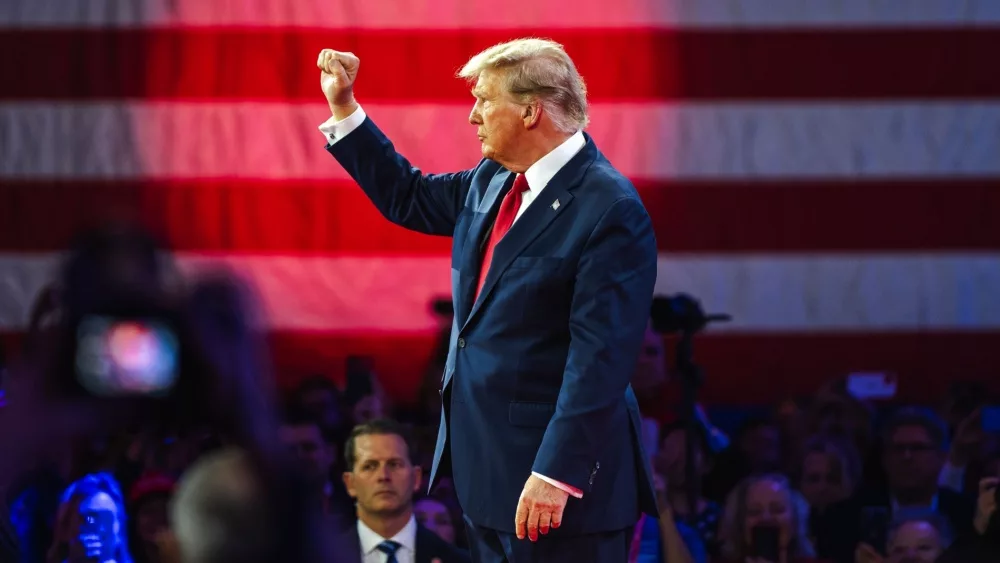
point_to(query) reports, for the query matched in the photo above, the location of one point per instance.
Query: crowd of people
(833, 477)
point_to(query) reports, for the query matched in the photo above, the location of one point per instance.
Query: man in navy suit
(553, 267)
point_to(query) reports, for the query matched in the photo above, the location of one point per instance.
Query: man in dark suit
(552, 268)
(382, 478)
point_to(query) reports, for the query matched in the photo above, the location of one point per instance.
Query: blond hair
(734, 516)
(537, 69)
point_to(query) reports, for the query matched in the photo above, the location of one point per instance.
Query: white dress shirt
(538, 175)
(406, 538)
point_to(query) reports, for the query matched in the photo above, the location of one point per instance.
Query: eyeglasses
(903, 449)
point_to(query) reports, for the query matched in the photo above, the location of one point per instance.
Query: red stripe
(320, 217)
(415, 66)
(740, 369)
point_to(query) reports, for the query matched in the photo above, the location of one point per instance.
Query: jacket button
(461, 343)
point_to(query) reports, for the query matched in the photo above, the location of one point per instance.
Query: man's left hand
(540, 507)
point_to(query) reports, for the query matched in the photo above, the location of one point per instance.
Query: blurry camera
(121, 328)
(126, 356)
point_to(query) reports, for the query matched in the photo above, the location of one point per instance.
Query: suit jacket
(839, 527)
(429, 546)
(538, 369)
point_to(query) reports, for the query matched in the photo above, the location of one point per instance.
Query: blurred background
(827, 172)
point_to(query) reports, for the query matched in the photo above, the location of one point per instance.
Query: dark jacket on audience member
(839, 528)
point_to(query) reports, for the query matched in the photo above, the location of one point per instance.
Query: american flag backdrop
(825, 171)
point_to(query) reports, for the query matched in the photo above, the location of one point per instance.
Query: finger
(321, 58)
(533, 517)
(348, 59)
(330, 61)
(557, 516)
(520, 518)
(328, 56)
(544, 522)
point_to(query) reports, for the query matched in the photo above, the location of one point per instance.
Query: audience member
(915, 445)
(319, 398)
(671, 463)
(382, 478)
(756, 449)
(664, 539)
(318, 454)
(91, 523)
(766, 503)
(149, 518)
(912, 539)
(982, 546)
(440, 517)
(829, 473)
(230, 508)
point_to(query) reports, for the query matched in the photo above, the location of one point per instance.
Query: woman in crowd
(91, 523)
(765, 520)
(671, 462)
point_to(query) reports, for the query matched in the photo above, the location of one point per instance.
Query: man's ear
(349, 484)
(531, 114)
(418, 478)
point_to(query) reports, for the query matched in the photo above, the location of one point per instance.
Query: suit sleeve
(426, 203)
(610, 310)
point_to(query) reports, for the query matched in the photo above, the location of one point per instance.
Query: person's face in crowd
(761, 445)
(95, 530)
(823, 480)
(671, 459)
(911, 459)
(769, 503)
(382, 480)
(651, 368)
(914, 542)
(499, 119)
(307, 443)
(151, 518)
(322, 405)
(369, 408)
(434, 516)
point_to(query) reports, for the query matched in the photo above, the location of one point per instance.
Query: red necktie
(505, 218)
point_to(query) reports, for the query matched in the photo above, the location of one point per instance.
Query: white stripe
(654, 141)
(510, 14)
(762, 293)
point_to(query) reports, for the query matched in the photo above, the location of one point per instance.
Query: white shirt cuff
(573, 491)
(336, 130)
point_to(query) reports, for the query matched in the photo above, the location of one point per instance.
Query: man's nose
(474, 117)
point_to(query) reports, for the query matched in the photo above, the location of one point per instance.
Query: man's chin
(488, 151)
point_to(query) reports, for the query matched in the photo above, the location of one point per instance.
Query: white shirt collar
(897, 509)
(370, 540)
(541, 172)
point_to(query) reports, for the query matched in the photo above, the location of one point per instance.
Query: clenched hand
(338, 71)
(540, 508)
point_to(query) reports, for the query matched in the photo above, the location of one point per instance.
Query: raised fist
(337, 74)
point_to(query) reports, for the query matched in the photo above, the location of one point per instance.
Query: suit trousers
(493, 546)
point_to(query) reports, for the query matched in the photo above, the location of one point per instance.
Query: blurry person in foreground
(553, 267)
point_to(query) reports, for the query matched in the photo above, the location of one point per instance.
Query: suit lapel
(532, 222)
(551, 202)
(472, 253)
